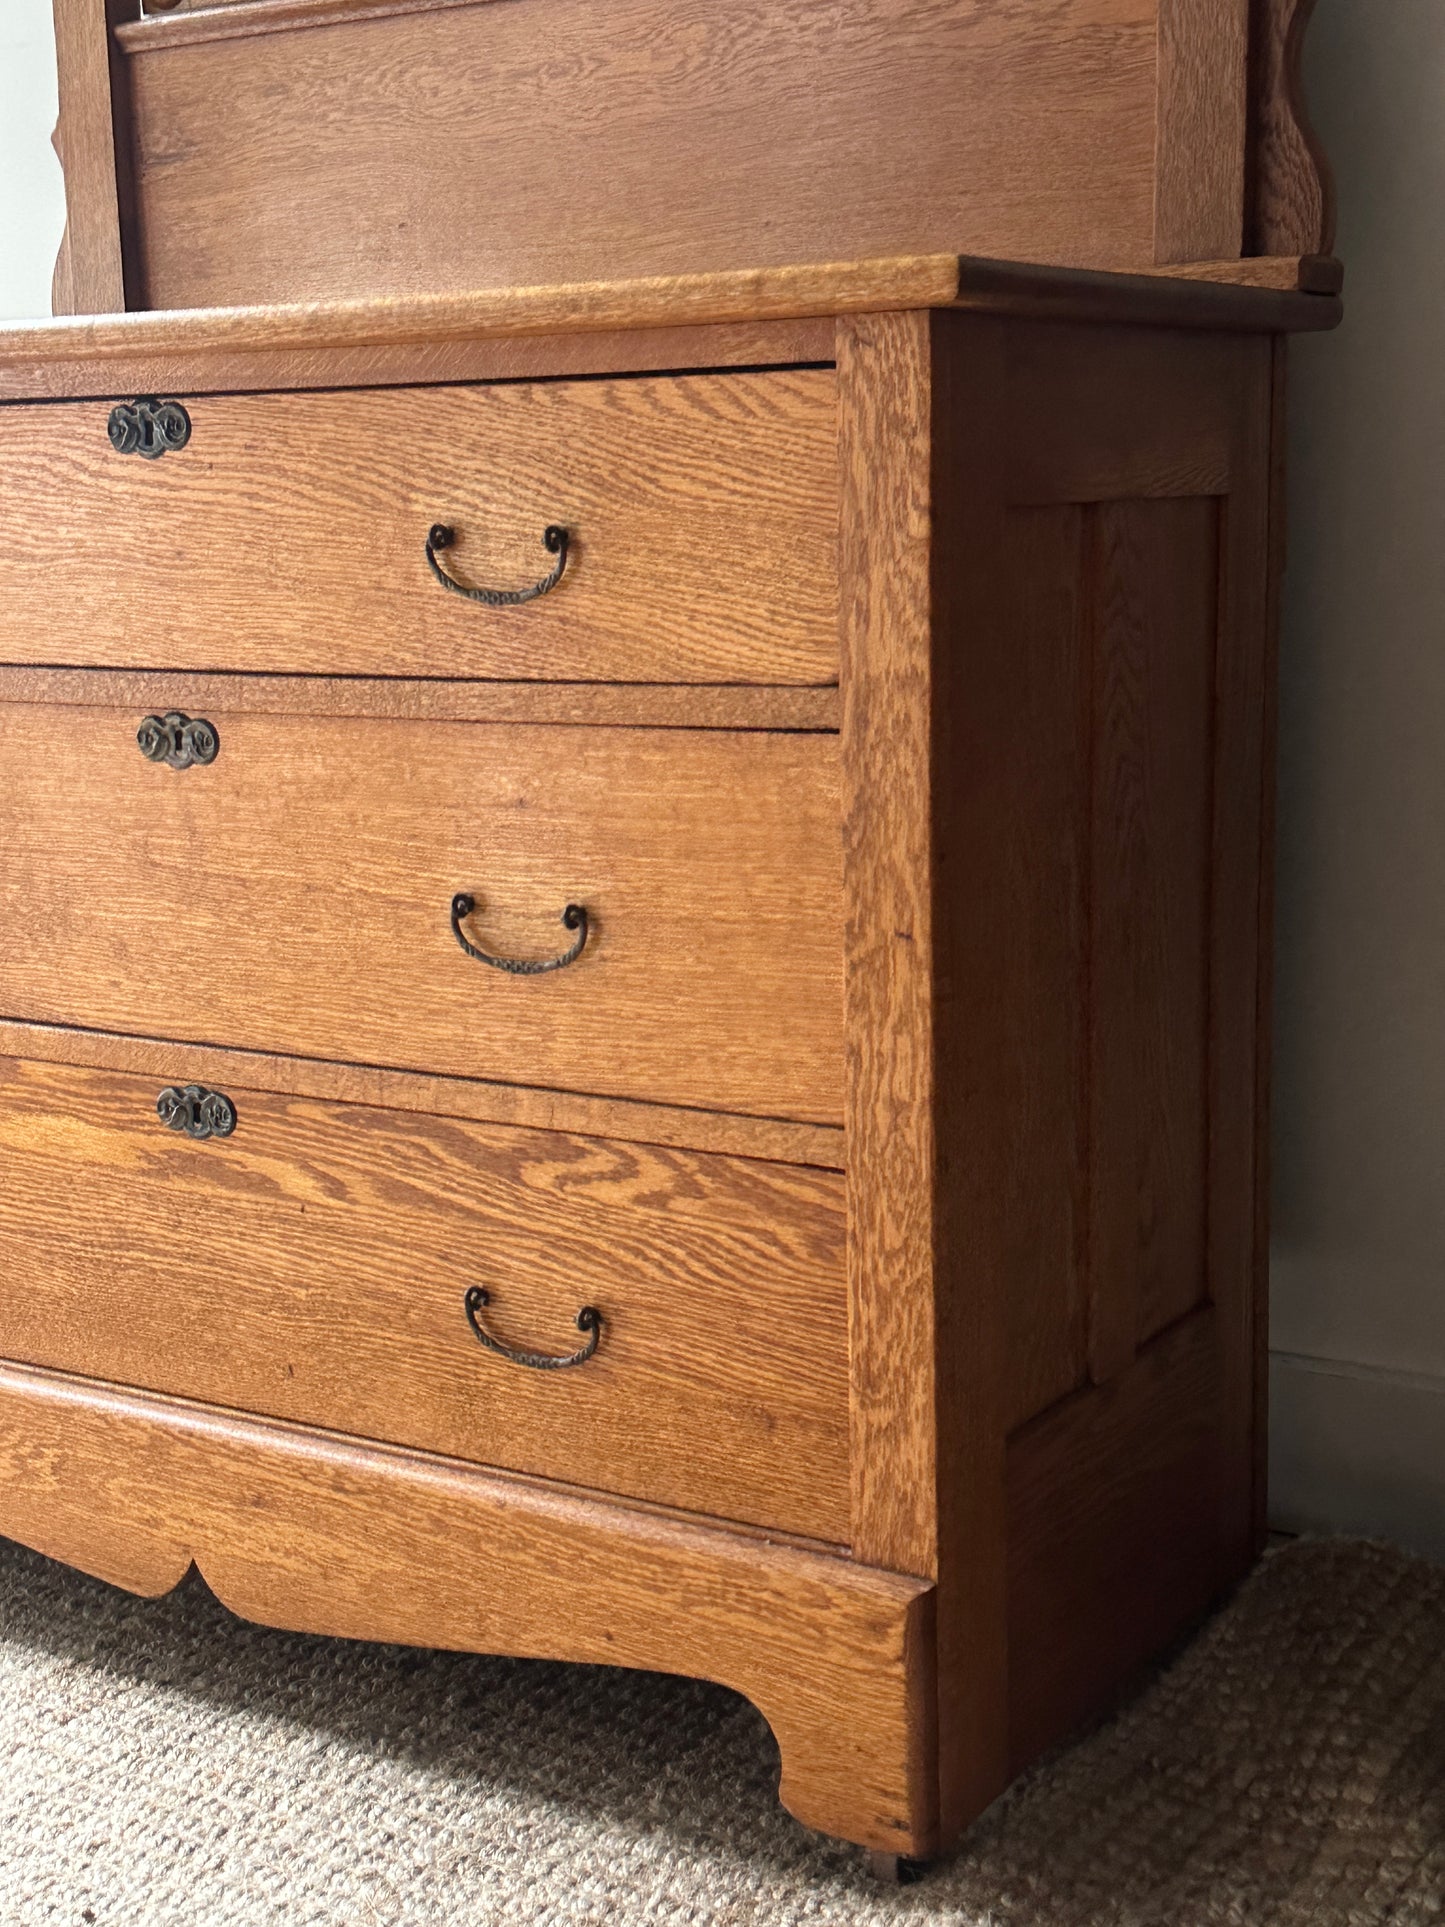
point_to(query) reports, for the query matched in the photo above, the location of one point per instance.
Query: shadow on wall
(1358, 1288)
(32, 193)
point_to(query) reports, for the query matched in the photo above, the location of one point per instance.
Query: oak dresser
(633, 1001)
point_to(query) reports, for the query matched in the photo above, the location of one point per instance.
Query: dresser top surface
(1287, 295)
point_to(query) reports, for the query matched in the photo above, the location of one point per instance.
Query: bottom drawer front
(312, 1261)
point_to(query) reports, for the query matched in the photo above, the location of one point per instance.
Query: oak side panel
(331, 161)
(1115, 1539)
(1122, 474)
(306, 1532)
(329, 1247)
(1153, 582)
(1201, 130)
(1125, 450)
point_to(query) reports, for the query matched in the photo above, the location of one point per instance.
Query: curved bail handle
(555, 540)
(574, 917)
(589, 1320)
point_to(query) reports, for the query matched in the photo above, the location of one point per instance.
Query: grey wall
(32, 198)
(1359, 1263)
(1358, 1296)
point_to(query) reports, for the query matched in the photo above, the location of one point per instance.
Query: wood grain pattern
(568, 705)
(1087, 741)
(688, 136)
(885, 452)
(1291, 188)
(313, 865)
(573, 1112)
(1201, 117)
(1302, 273)
(337, 492)
(296, 1530)
(985, 971)
(433, 322)
(1115, 1544)
(263, 369)
(340, 1241)
(89, 273)
(335, 342)
(927, 1448)
(1096, 632)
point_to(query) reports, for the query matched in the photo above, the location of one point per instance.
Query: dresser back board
(258, 151)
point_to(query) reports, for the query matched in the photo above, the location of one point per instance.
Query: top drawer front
(289, 533)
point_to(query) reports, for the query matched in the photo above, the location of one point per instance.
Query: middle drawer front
(312, 1264)
(296, 895)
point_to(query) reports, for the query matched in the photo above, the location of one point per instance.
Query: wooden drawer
(296, 894)
(290, 532)
(313, 1265)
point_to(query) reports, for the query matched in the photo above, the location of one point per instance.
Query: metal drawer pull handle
(175, 740)
(148, 427)
(554, 541)
(197, 1112)
(589, 1320)
(574, 917)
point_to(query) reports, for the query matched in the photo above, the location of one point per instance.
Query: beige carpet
(162, 1763)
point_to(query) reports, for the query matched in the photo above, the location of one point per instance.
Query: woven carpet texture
(165, 1763)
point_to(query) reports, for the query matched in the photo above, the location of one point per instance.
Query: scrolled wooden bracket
(1290, 200)
(89, 269)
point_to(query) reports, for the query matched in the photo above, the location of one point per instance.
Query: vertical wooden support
(1264, 1044)
(1290, 191)
(1240, 903)
(89, 135)
(885, 447)
(926, 1434)
(1055, 586)
(1200, 119)
(1120, 617)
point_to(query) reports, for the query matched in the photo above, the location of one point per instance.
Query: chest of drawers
(701, 1109)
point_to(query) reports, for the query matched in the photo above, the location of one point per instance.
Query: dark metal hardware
(589, 1320)
(574, 917)
(148, 427)
(175, 740)
(197, 1112)
(554, 540)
